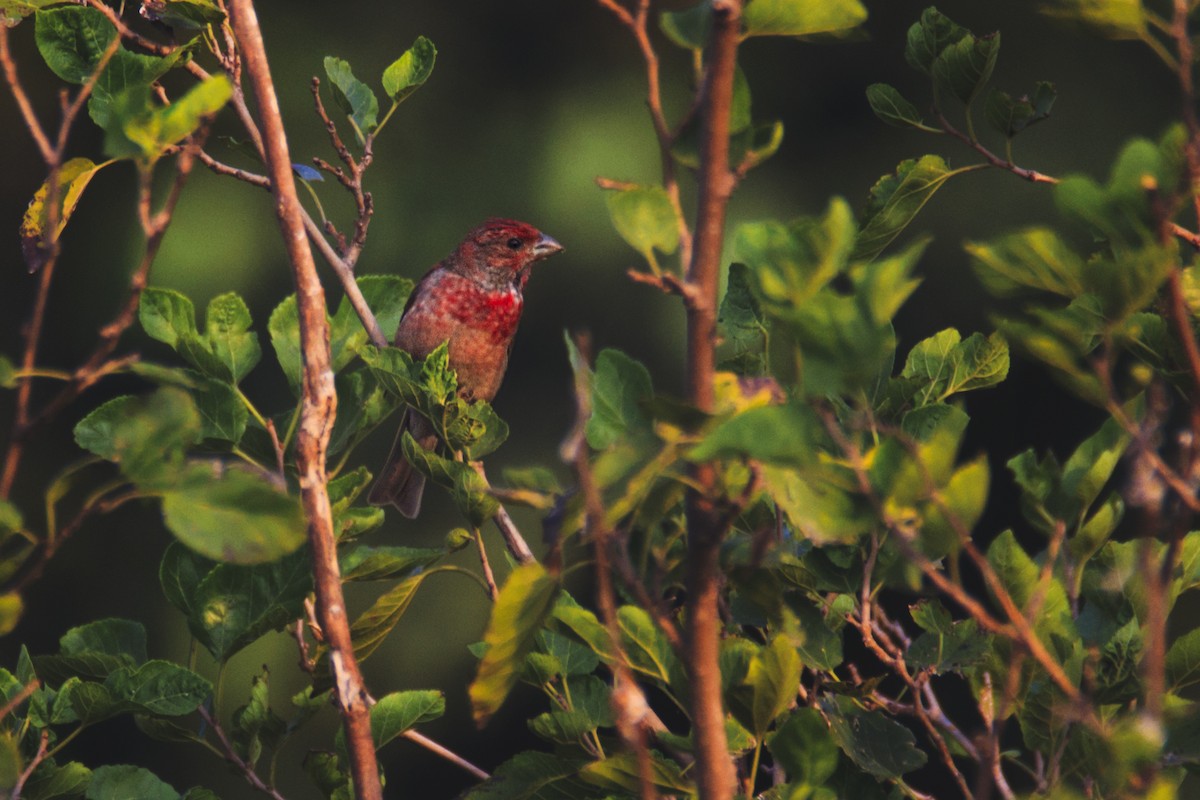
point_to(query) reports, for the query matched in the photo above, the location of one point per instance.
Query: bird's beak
(545, 247)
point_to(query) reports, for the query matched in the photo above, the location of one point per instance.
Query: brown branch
(489, 577)
(318, 408)
(628, 700)
(667, 284)
(34, 763)
(26, 108)
(444, 752)
(636, 22)
(231, 755)
(20, 697)
(715, 777)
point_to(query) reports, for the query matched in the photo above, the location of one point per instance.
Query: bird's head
(501, 251)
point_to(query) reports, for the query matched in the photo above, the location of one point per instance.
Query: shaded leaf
(896, 200)
(878, 745)
(525, 602)
(353, 96)
(891, 107)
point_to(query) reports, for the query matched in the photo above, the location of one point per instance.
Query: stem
(715, 777)
(318, 408)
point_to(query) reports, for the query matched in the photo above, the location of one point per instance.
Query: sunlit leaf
(409, 72)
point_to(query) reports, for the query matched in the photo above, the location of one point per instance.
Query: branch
(714, 769)
(231, 755)
(318, 408)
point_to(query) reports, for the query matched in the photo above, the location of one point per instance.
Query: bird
(473, 300)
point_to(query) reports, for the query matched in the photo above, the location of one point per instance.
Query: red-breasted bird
(471, 299)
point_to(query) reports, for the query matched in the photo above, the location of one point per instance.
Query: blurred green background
(529, 102)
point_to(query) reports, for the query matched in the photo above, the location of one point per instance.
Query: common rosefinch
(471, 299)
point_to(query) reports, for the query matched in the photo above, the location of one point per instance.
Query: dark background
(529, 102)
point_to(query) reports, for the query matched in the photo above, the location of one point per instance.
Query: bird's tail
(399, 484)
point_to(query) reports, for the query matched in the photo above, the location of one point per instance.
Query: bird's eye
(514, 243)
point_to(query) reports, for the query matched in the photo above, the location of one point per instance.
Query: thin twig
(628, 700)
(19, 697)
(446, 753)
(231, 755)
(318, 409)
(489, 577)
(34, 763)
(26, 108)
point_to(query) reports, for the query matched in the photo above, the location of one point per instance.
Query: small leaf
(688, 28)
(353, 96)
(397, 712)
(233, 605)
(73, 178)
(1010, 116)
(800, 17)
(409, 72)
(891, 107)
(619, 386)
(1183, 661)
(525, 602)
(946, 365)
(233, 514)
(1120, 19)
(185, 14)
(72, 40)
(284, 329)
(780, 435)
(157, 129)
(929, 37)
(803, 747)
(467, 488)
(645, 646)
(228, 335)
(386, 563)
(896, 200)
(145, 436)
(159, 688)
(373, 626)
(644, 218)
(773, 677)
(964, 67)
(126, 782)
(255, 725)
(743, 324)
(878, 745)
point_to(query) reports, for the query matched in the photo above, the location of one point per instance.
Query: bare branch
(318, 408)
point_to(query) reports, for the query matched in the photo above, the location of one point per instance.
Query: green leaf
(13, 11)
(223, 415)
(1120, 19)
(946, 645)
(525, 602)
(186, 14)
(777, 435)
(73, 178)
(688, 28)
(1183, 661)
(397, 712)
(146, 436)
(233, 514)
(468, 490)
(156, 129)
(385, 296)
(891, 107)
(929, 37)
(743, 325)
(11, 762)
(284, 329)
(963, 68)
(255, 725)
(1018, 574)
(228, 334)
(773, 677)
(620, 385)
(409, 72)
(158, 688)
(365, 563)
(645, 645)
(896, 200)
(800, 17)
(123, 638)
(878, 745)
(946, 365)
(373, 626)
(1010, 116)
(820, 645)
(127, 782)
(645, 218)
(50, 781)
(621, 773)
(167, 315)
(790, 264)
(11, 608)
(72, 40)
(353, 96)
(1036, 258)
(233, 605)
(803, 747)
(535, 776)
(572, 658)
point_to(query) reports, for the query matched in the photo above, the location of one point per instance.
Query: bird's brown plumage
(473, 300)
